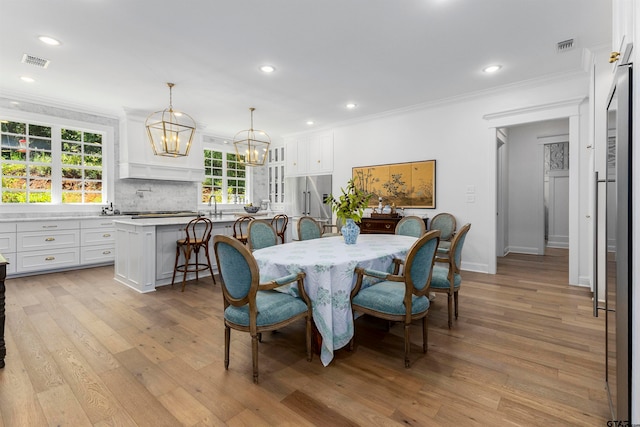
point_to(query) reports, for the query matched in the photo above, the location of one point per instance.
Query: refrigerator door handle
(304, 203)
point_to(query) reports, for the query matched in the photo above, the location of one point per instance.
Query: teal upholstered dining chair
(261, 234)
(446, 273)
(327, 229)
(410, 226)
(446, 223)
(254, 307)
(308, 228)
(400, 297)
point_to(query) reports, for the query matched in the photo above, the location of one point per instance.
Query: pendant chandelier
(252, 145)
(170, 132)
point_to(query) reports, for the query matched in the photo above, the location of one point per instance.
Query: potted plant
(349, 208)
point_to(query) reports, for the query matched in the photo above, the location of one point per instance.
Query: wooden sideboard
(379, 225)
(3, 275)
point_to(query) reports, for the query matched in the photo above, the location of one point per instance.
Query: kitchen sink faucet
(215, 205)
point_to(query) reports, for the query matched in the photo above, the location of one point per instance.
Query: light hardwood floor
(85, 350)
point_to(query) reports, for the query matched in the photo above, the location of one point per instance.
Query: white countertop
(227, 217)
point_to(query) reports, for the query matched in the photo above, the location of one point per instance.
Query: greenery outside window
(49, 164)
(225, 177)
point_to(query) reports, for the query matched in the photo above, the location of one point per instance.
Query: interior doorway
(533, 187)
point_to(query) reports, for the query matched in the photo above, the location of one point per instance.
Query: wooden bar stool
(198, 232)
(241, 228)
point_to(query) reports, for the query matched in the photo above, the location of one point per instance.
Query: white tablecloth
(329, 265)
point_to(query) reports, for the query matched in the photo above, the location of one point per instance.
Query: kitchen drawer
(98, 254)
(7, 227)
(47, 260)
(380, 226)
(7, 242)
(91, 237)
(96, 223)
(48, 240)
(48, 225)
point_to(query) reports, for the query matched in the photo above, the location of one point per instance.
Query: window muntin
(225, 177)
(49, 164)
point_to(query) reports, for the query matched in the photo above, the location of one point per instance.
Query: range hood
(138, 161)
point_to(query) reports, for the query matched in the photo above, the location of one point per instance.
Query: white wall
(463, 144)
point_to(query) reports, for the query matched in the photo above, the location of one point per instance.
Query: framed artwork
(410, 184)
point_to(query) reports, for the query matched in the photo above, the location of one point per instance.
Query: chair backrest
(241, 227)
(456, 247)
(198, 230)
(419, 262)
(410, 226)
(308, 228)
(446, 223)
(327, 229)
(279, 223)
(238, 270)
(261, 234)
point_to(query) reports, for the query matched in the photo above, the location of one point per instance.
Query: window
(50, 164)
(225, 177)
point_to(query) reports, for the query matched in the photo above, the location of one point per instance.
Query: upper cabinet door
(309, 155)
(622, 25)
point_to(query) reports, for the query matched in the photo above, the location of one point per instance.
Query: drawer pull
(49, 226)
(387, 226)
(106, 252)
(50, 258)
(49, 239)
(106, 235)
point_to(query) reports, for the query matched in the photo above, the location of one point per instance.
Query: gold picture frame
(411, 184)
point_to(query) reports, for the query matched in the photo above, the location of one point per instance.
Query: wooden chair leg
(175, 265)
(455, 299)
(206, 252)
(254, 356)
(227, 342)
(187, 257)
(308, 337)
(450, 308)
(425, 332)
(407, 344)
(197, 268)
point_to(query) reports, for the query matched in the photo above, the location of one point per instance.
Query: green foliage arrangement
(351, 204)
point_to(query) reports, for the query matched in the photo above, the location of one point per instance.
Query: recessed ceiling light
(27, 79)
(351, 105)
(267, 68)
(311, 122)
(49, 40)
(492, 68)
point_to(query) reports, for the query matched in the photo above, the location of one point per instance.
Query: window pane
(14, 127)
(94, 138)
(37, 130)
(71, 135)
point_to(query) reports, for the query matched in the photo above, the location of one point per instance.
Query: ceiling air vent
(564, 46)
(34, 60)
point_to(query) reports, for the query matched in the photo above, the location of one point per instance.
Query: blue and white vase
(350, 232)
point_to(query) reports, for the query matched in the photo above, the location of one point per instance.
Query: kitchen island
(145, 248)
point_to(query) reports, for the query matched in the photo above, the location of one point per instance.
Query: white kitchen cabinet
(97, 240)
(623, 28)
(8, 245)
(47, 245)
(166, 237)
(309, 155)
(138, 161)
(275, 170)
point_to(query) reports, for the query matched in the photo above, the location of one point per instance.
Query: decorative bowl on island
(251, 209)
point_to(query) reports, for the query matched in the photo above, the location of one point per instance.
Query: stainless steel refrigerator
(307, 195)
(615, 251)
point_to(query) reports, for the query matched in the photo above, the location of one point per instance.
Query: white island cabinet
(146, 249)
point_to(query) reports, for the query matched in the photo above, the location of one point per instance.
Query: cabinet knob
(49, 239)
(106, 252)
(106, 235)
(49, 226)
(50, 258)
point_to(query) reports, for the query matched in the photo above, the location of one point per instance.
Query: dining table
(329, 265)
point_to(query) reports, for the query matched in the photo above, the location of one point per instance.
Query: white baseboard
(523, 250)
(474, 266)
